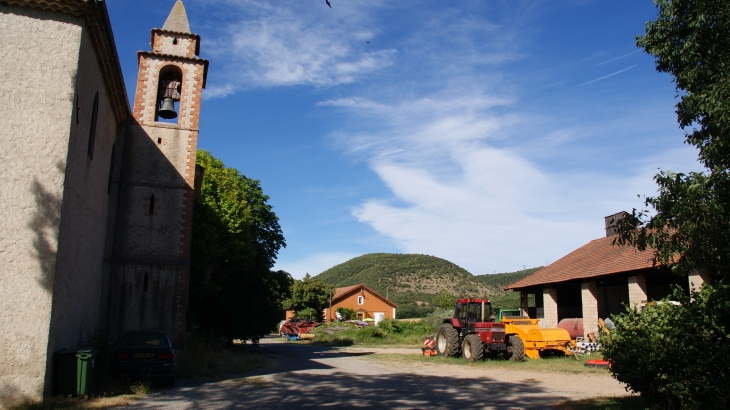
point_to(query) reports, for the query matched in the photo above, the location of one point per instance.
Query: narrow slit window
(152, 205)
(111, 170)
(174, 41)
(92, 130)
(159, 141)
(146, 282)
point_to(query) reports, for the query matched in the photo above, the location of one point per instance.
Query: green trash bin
(64, 373)
(85, 359)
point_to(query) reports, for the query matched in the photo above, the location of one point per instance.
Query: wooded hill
(412, 281)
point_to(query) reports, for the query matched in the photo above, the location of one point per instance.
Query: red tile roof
(341, 292)
(596, 258)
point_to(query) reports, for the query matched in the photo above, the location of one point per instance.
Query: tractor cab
(470, 311)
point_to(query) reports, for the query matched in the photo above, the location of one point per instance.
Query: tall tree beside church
(236, 237)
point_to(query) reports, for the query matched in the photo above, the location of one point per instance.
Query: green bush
(372, 331)
(435, 319)
(675, 356)
(387, 332)
(391, 327)
(346, 313)
(309, 313)
(412, 311)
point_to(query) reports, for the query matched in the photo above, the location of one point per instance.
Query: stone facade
(84, 247)
(550, 300)
(697, 278)
(589, 298)
(637, 290)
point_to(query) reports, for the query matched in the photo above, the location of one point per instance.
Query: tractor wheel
(472, 349)
(515, 349)
(447, 341)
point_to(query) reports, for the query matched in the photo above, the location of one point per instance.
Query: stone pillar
(523, 303)
(590, 308)
(637, 290)
(550, 304)
(697, 277)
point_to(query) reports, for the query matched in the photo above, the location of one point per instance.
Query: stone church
(96, 196)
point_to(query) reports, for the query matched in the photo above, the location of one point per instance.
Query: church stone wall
(150, 307)
(54, 208)
(39, 52)
(78, 279)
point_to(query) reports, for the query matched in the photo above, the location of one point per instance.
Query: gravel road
(312, 376)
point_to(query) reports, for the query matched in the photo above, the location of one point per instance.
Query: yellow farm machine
(473, 334)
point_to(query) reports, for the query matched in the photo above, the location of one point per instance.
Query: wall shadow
(45, 224)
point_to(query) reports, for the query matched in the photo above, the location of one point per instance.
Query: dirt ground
(307, 376)
(572, 386)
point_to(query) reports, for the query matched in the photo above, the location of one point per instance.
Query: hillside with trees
(506, 299)
(415, 282)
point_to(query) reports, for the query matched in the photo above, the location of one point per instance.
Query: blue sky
(494, 134)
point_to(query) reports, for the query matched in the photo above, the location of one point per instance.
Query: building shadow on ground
(301, 380)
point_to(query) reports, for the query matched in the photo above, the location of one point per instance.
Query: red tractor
(472, 334)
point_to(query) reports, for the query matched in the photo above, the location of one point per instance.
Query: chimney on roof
(611, 222)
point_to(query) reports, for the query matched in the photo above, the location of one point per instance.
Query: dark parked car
(145, 353)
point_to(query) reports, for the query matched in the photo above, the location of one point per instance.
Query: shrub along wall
(676, 356)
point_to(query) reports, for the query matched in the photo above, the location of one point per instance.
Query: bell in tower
(168, 94)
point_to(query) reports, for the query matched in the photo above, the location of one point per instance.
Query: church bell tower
(152, 265)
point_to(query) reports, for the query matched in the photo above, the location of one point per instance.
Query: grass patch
(252, 381)
(68, 403)
(605, 403)
(546, 365)
(387, 332)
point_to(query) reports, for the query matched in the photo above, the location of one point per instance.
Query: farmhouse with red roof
(367, 303)
(596, 281)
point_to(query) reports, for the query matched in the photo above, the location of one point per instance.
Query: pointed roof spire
(178, 19)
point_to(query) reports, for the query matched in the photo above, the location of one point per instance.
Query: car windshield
(145, 339)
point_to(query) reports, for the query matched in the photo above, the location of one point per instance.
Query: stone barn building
(97, 196)
(596, 281)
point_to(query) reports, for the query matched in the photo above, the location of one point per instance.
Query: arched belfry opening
(168, 94)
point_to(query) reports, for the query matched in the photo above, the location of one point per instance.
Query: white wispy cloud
(607, 76)
(270, 44)
(464, 190)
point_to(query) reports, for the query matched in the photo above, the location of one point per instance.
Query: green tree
(309, 293)
(688, 223)
(676, 356)
(445, 300)
(236, 237)
(309, 313)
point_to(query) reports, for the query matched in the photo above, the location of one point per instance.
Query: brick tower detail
(152, 268)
